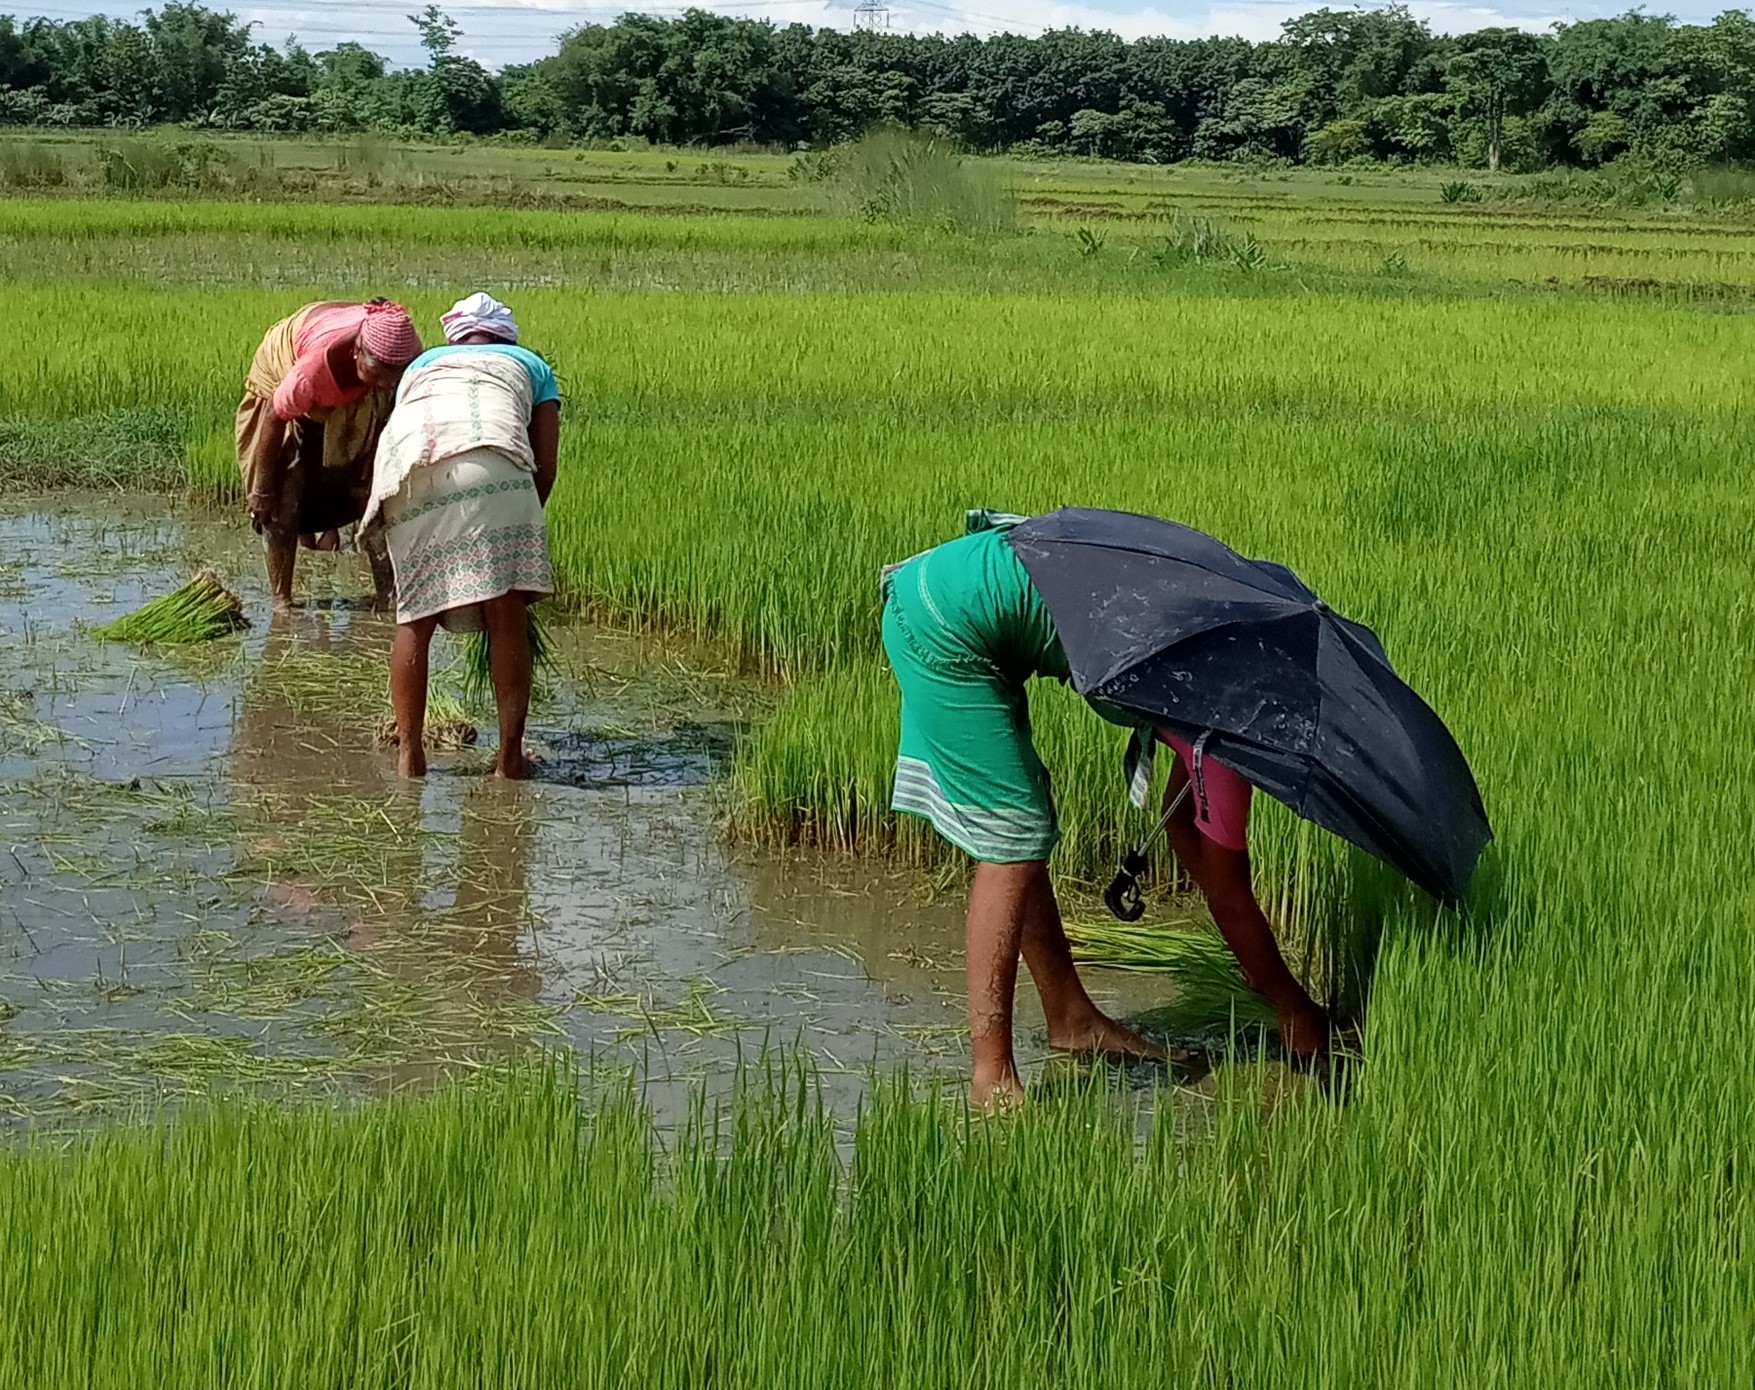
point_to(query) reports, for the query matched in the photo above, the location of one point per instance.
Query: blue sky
(497, 32)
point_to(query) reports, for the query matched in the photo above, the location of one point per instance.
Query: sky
(497, 32)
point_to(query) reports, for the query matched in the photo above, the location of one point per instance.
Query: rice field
(1537, 495)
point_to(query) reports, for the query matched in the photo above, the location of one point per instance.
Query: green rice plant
(1212, 998)
(1250, 254)
(477, 679)
(31, 166)
(150, 163)
(1720, 186)
(508, 1222)
(137, 447)
(200, 611)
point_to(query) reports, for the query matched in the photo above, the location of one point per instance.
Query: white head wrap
(479, 313)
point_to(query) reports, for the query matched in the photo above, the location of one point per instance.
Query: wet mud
(212, 880)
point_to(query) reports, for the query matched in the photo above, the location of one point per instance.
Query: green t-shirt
(980, 596)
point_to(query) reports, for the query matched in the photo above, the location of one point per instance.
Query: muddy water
(210, 877)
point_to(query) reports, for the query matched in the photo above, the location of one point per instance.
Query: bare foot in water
(1104, 1036)
(411, 761)
(517, 768)
(996, 1092)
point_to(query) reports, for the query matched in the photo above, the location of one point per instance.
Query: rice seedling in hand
(200, 611)
(478, 678)
(1212, 998)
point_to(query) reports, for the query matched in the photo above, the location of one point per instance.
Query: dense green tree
(528, 103)
(1347, 59)
(194, 50)
(1496, 74)
(1337, 85)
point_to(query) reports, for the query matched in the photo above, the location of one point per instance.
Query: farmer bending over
(965, 629)
(464, 469)
(318, 393)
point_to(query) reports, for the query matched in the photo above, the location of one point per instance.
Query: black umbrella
(1168, 623)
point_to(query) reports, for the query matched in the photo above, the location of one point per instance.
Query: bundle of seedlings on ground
(448, 727)
(200, 611)
(478, 676)
(1212, 998)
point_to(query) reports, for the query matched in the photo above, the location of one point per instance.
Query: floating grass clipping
(447, 729)
(1211, 996)
(478, 679)
(200, 611)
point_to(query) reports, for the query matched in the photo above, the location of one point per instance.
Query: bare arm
(265, 477)
(1224, 879)
(545, 443)
(292, 398)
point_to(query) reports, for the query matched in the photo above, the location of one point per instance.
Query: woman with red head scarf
(318, 393)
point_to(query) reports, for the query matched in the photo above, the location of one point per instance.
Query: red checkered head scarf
(389, 334)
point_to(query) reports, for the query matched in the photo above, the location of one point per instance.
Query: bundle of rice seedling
(478, 679)
(200, 611)
(1212, 998)
(447, 726)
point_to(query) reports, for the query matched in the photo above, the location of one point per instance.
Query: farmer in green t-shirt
(965, 629)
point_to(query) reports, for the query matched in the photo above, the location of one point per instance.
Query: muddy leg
(993, 932)
(509, 657)
(279, 551)
(1075, 1024)
(280, 538)
(408, 693)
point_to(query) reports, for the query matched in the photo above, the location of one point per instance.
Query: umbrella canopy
(1171, 625)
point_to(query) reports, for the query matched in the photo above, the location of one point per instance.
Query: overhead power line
(957, 12)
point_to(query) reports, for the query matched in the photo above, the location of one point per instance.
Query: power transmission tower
(871, 16)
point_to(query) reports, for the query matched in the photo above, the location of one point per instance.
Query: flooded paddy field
(211, 879)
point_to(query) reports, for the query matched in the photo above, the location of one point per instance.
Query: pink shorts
(1221, 796)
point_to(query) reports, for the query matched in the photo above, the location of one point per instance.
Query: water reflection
(219, 881)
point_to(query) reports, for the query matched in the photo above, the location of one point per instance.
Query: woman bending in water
(464, 469)
(965, 629)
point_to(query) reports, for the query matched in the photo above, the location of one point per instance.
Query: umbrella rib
(1119, 549)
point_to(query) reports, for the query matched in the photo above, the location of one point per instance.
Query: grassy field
(509, 1235)
(1686, 236)
(1536, 494)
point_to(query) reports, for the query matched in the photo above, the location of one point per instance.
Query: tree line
(1336, 86)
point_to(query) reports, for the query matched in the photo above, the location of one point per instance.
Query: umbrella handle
(1122, 897)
